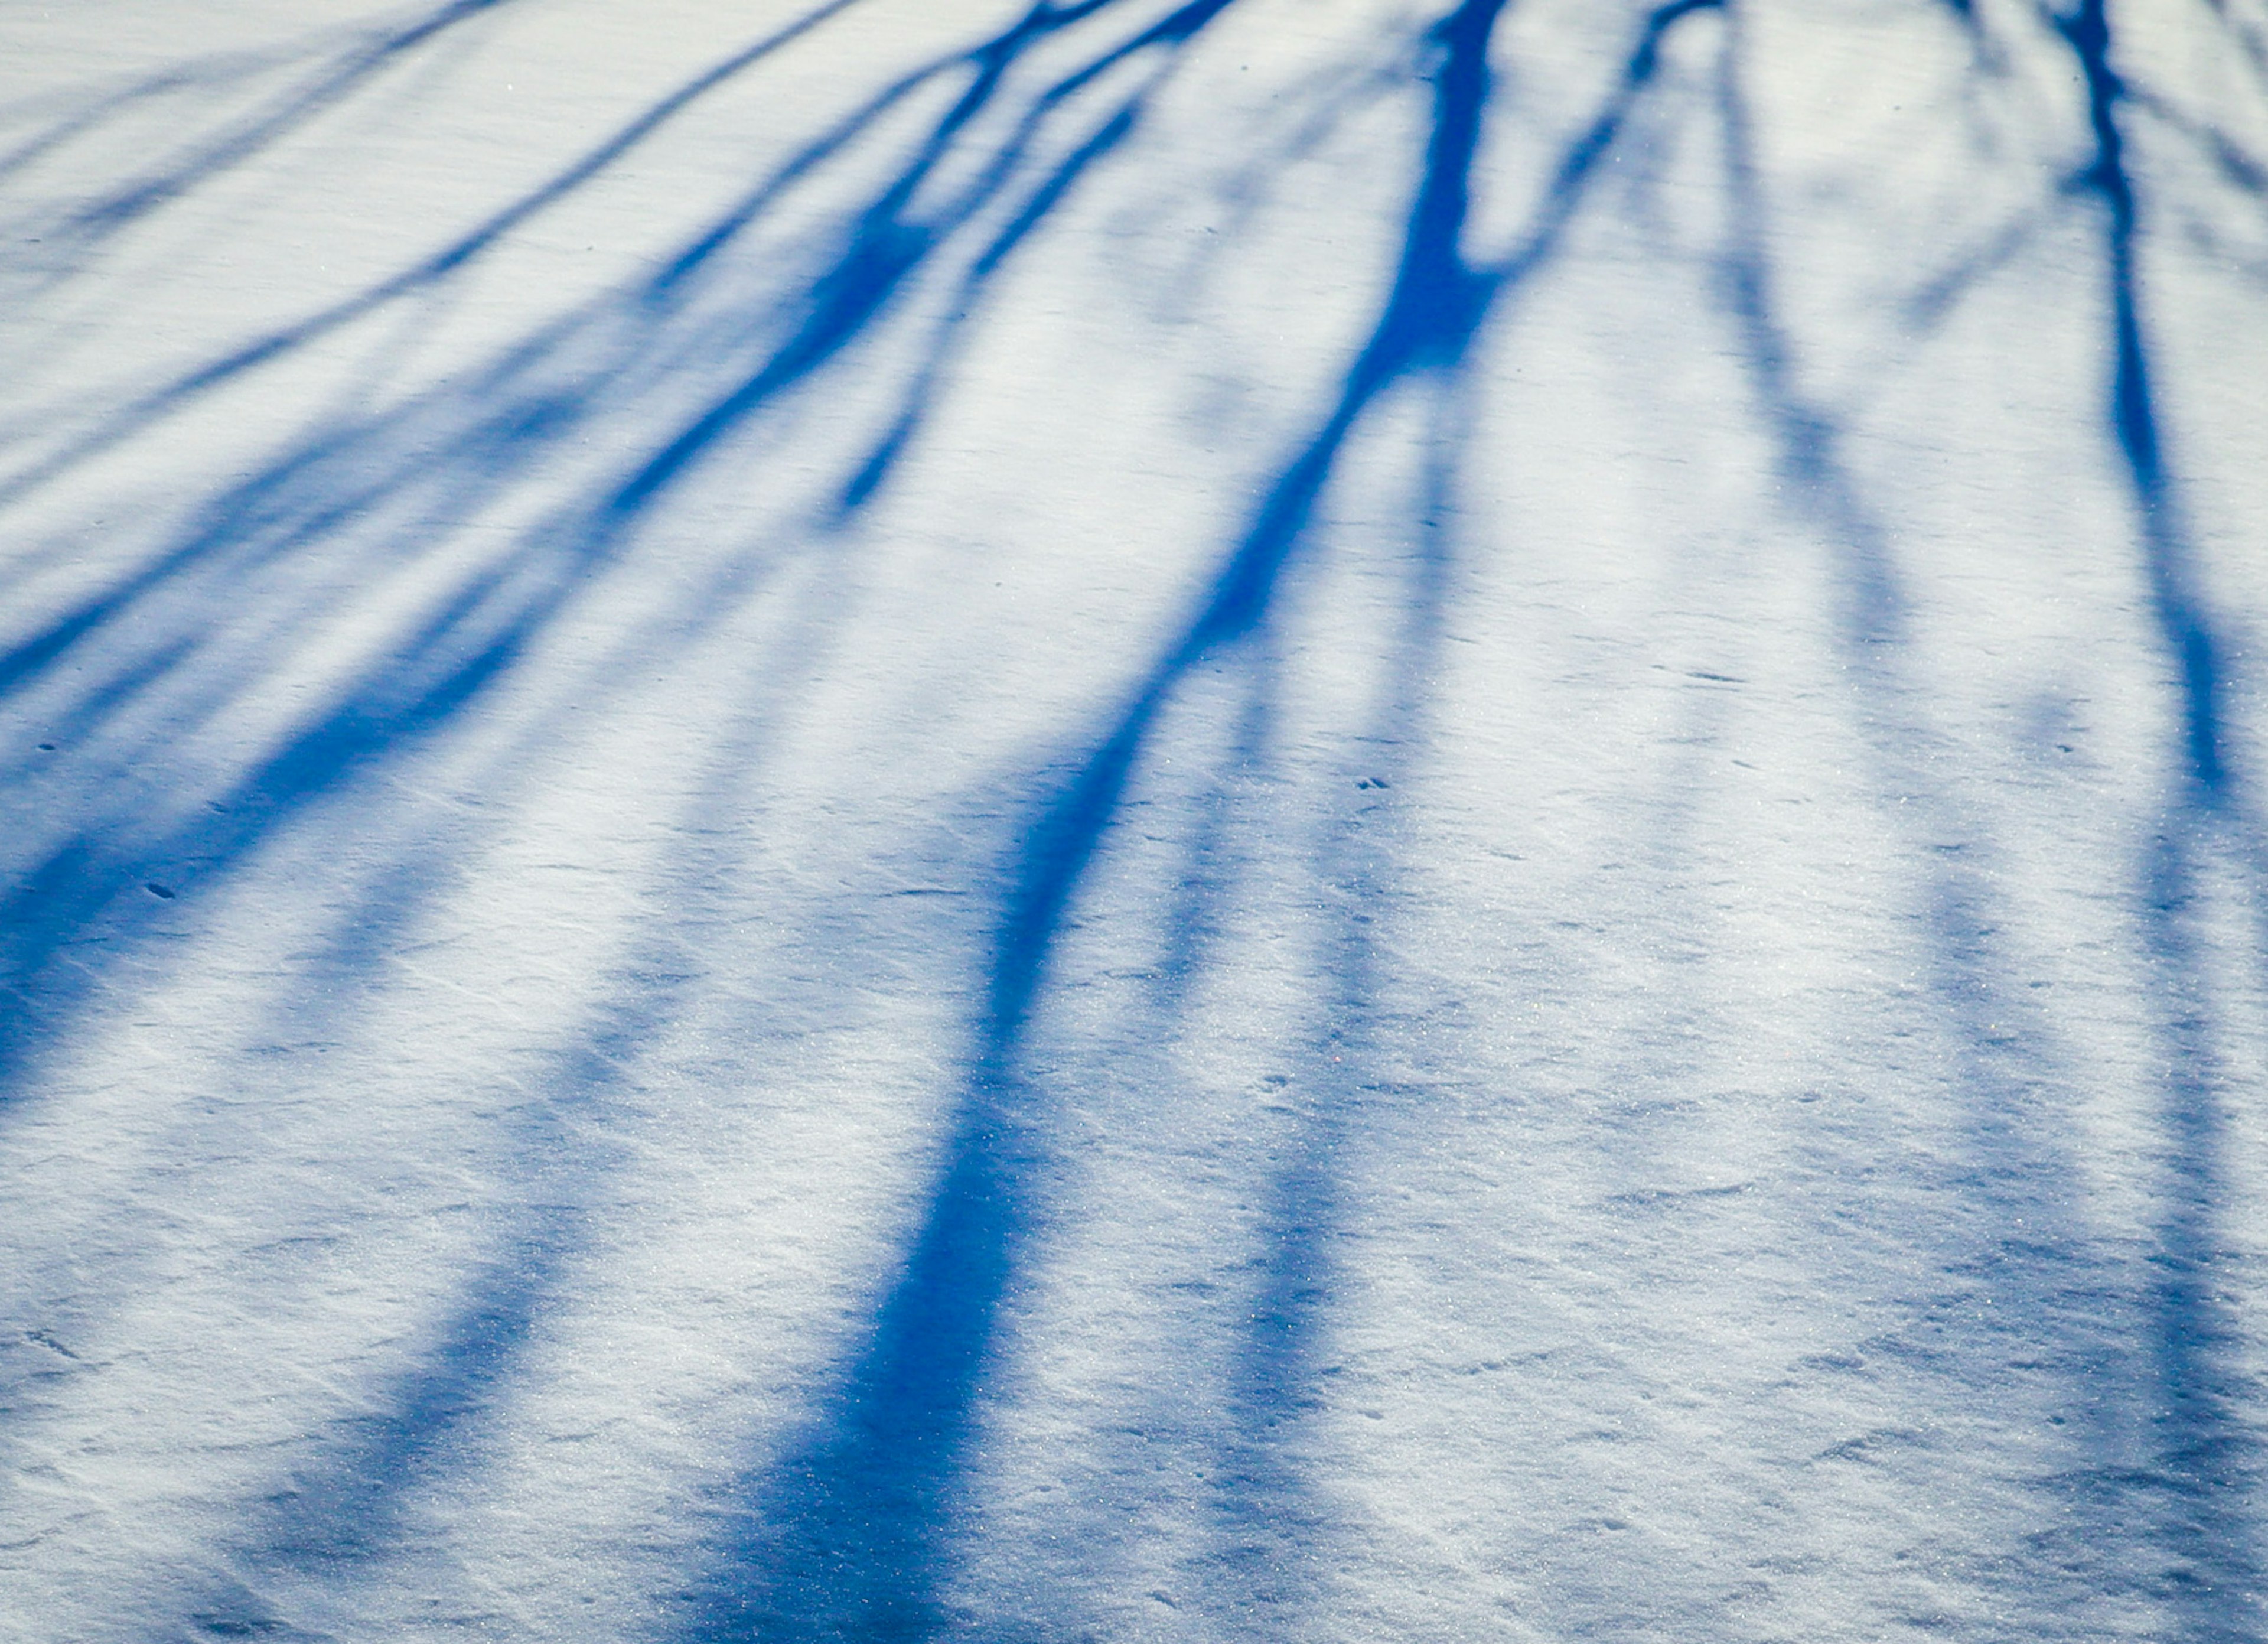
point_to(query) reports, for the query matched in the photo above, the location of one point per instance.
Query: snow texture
(1245, 819)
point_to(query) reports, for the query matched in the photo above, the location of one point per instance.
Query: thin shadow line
(851, 1534)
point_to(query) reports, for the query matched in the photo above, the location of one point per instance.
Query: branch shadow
(77, 234)
(2206, 1454)
(2189, 1503)
(496, 429)
(91, 897)
(348, 1506)
(852, 1533)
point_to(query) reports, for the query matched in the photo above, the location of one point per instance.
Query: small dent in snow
(1833, 1362)
(43, 1339)
(1660, 1196)
(1866, 1446)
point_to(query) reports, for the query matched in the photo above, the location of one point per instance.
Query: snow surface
(1260, 819)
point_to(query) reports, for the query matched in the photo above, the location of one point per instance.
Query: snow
(1268, 819)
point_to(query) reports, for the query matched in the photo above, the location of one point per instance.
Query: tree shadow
(87, 899)
(347, 1506)
(2190, 1502)
(858, 1530)
(602, 365)
(852, 1532)
(2205, 1453)
(70, 237)
(93, 894)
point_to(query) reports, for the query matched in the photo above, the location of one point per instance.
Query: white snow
(1276, 819)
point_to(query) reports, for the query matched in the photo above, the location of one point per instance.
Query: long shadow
(435, 271)
(2052, 1302)
(342, 1513)
(517, 403)
(99, 891)
(1268, 1523)
(948, 335)
(891, 243)
(100, 872)
(338, 1520)
(987, 62)
(422, 277)
(2031, 1256)
(83, 229)
(345, 1511)
(2207, 1456)
(222, 71)
(851, 1535)
(854, 1534)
